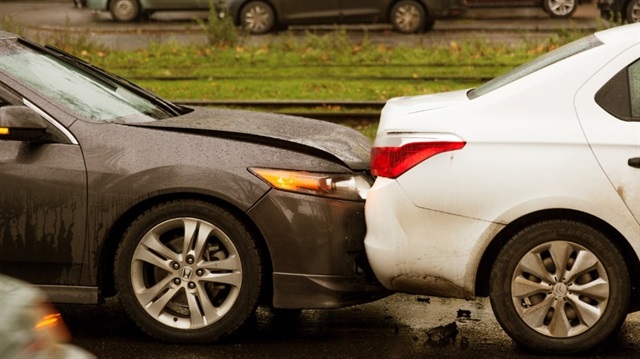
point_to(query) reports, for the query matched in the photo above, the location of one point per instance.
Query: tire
(257, 17)
(125, 10)
(188, 294)
(554, 263)
(408, 17)
(560, 8)
(632, 12)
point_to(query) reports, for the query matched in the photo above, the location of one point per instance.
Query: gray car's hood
(343, 143)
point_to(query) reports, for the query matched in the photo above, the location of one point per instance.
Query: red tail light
(391, 162)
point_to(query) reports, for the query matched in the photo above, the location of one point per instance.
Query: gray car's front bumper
(317, 251)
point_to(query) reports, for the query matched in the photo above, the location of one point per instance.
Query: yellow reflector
(4, 131)
(48, 321)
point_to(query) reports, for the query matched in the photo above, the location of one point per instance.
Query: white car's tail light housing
(396, 153)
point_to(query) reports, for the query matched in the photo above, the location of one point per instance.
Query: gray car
(191, 216)
(262, 16)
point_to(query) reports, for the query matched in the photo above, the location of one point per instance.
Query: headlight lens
(343, 186)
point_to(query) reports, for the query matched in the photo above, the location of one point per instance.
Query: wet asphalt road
(400, 326)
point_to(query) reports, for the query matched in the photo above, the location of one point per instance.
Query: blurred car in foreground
(555, 8)
(525, 189)
(262, 16)
(30, 326)
(191, 216)
(620, 10)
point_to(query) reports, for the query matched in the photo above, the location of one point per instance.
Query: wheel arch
(107, 257)
(489, 256)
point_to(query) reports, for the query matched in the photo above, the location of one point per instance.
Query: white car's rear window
(543, 61)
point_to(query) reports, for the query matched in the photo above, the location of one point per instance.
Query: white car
(525, 189)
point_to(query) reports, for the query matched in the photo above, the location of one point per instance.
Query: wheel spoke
(229, 264)
(560, 252)
(156, 307)
(532, 263)
(587, 313)
(523, 287)
(154, 252)
(191, 227)
(201, 310)
(146, 295)
(534, 316)
(197, 239)
(233, 279)
(597, 289)
(559, 326)
(585, 262)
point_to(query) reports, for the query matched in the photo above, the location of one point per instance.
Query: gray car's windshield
(78, 90)
(540, 62)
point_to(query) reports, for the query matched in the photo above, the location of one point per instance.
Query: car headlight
(343, 186)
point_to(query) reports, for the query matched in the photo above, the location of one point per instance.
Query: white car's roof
(628, 33)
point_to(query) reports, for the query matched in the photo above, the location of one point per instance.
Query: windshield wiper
(113, 80)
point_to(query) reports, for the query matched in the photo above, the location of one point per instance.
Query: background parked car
(620, 10)
(31, 327)
(555, 8)
(191, 216)
(525, 189)
(262, 16)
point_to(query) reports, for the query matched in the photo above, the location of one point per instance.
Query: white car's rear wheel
(560, 287)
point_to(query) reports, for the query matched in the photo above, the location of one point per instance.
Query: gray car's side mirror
(19, 123)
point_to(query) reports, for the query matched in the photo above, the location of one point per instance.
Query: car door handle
(634, 162)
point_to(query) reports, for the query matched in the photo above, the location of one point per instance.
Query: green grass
(327, 67)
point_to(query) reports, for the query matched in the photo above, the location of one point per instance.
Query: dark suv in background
(620, 10)
(262, 16)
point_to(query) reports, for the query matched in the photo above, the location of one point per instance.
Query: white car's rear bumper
(415, 250)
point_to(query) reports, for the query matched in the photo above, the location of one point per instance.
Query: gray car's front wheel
(560, 287)
(188, 271)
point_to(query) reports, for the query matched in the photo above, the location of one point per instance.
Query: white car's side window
(634, 87)
(620, 96)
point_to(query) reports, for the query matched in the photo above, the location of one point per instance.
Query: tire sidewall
(251, 273)
(596, 243)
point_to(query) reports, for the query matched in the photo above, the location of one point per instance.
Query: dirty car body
(190, 215)
(526, 189)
